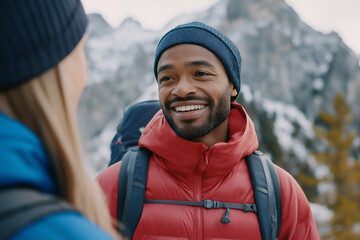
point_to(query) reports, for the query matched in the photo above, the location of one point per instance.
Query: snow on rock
(246, 93)
(106, 53)
(286, 116)
(98, 150)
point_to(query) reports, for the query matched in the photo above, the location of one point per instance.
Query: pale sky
(342, 16)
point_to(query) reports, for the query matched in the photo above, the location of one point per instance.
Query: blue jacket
(23, 161)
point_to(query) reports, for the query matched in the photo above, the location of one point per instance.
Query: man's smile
(189, 112)
(188, 108)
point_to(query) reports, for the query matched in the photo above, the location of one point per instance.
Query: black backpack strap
(20, 207)
(267, 194)
(131, 187)
(208, 204)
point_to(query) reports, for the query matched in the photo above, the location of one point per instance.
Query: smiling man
(198, 145)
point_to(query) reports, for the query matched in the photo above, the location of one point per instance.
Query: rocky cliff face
(285, 63)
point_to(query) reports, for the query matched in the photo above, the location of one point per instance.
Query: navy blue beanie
(36, 35)
(203, 35)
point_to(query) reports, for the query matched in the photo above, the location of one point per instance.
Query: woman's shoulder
(63, 225)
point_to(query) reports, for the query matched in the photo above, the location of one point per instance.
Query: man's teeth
(189, 108)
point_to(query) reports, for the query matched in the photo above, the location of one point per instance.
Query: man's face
(194, 90)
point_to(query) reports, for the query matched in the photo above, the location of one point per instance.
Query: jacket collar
(183, 156)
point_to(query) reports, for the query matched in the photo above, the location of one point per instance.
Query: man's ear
(234, 92)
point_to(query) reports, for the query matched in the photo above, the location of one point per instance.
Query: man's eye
(200, 74)
(165, 78)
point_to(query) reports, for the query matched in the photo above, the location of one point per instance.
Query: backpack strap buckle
(208, 203)
(249, 208)
(213, 204)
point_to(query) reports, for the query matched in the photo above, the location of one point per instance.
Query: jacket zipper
(199, 224)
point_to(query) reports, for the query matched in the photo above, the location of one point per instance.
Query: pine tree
(344, 172)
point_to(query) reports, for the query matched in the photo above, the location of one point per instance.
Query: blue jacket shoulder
(59, 226)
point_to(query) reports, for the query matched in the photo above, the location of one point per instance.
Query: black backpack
(19, 207)
(264, 179)
(136, 117)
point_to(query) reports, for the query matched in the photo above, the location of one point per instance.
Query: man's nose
(184, 87)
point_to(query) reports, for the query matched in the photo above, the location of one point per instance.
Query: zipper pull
(226, 218)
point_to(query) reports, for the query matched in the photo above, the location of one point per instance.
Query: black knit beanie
(35, 35)
(203, 35)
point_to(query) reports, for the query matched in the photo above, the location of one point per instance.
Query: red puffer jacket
(189, 171)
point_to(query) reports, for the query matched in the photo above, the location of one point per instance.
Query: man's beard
(190, 132)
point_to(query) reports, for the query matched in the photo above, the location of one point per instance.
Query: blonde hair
(45, 106)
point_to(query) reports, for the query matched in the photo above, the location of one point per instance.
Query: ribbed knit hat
(35, 35)
(203, 35)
